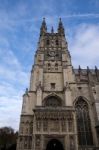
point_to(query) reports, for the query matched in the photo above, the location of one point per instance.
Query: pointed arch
(52, 100)
(54, 144)
(84, 98)
(83, 122)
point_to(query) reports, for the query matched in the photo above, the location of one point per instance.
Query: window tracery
(83, 122)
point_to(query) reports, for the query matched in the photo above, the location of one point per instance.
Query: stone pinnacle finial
(61, 28)
(88, 70)
(43, 18)
(96, 68)
(44, 21)
(43, 27)
(26, 92)
(52, 30)
(60, 20)
(79, 67)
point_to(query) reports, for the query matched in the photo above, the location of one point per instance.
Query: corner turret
(61, 28)
(43, 28)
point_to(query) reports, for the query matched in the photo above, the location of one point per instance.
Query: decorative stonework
(61, 104)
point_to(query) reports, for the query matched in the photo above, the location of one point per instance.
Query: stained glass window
(83, 122)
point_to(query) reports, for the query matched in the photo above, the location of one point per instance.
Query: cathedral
(60, 110)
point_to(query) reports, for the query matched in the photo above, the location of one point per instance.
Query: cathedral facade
(60, 111)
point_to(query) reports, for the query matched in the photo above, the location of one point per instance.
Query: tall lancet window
(83, 123)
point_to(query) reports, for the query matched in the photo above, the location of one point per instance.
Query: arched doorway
(54, 144)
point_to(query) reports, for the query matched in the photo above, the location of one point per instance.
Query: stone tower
(61, 108)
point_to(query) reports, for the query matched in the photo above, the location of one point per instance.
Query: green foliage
(7, 138)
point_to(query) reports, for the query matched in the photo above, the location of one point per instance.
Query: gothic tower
(60, 109)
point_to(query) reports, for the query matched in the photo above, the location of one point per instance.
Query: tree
(7, 137)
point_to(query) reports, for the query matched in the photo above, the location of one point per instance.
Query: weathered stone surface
(48, 110)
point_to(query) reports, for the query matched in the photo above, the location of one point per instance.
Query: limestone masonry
(60, 110)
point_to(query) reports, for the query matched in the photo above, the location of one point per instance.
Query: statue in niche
(67, 86)
(72, 143)
(45, 125)
(94, 92)
(38, 140)
(38, 125)
(39, 85)
(63, 125)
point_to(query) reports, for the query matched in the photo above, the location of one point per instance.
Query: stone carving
(70, 125)
(26, 92)
(63, 123)
(45, 125)
(39, 85)
(37, 141)
(72, 146)
(54, 125)
(52, 116)
(53, 101)
(67, 86)
(38, 125)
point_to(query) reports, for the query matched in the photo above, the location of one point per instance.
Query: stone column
(96, 93)
(39, 94)
(68, 98)
(42, 142)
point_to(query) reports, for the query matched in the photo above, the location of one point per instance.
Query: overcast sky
(20, 22)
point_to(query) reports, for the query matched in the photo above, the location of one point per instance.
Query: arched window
(52, 101)
(57, 42)
(47, 42)
(56, 66)
(83, 123)
(49, 66)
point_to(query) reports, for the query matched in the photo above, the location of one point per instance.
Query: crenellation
(86, 75)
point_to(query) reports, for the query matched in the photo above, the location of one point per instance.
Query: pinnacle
(44, 19)
(44, 27)
(52, 30)
(60, 20)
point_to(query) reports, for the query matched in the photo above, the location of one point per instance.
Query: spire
(52, 30)
(60, 27)
(79, 70)
(96, 69)
(43, 27)
(97, 74)
(26, 92)
(88, 70)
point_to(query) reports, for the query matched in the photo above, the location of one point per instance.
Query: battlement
(87, 75)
